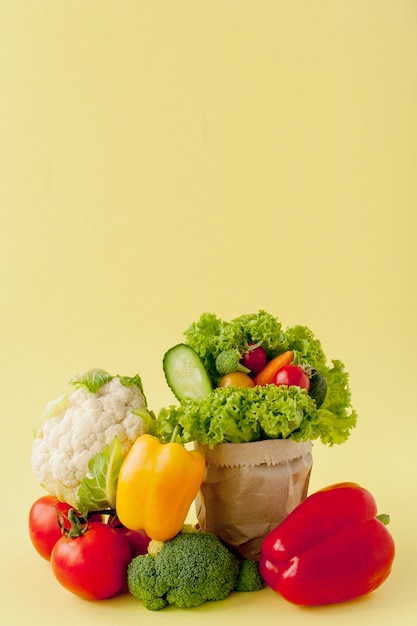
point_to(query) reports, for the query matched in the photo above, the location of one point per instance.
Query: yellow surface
(161, 159)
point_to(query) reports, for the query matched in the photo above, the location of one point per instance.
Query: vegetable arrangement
(120, 481)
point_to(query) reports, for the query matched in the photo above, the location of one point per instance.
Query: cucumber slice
(185, 373)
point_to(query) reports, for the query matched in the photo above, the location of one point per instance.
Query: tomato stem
(79, 525)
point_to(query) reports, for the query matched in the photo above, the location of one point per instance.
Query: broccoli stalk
(229, 361)
(192, 568)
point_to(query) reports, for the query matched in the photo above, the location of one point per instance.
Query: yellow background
(159, 159)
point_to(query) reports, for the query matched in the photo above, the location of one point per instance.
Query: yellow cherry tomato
(236, 379)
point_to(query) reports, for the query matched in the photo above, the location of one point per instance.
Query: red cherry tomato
(254, 359)
(93, 565)
(138, 540)
(44, 528)
(292, 375)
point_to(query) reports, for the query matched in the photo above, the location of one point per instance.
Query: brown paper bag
(249, 488)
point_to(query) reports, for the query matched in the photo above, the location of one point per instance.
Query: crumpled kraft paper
(249, 488)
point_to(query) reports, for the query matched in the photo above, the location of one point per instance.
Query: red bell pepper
(331, 548)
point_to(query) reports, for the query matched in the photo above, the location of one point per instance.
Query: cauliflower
(76, 427)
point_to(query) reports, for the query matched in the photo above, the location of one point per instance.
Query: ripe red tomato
(94, 564)
(44, 528)
(292, 375)
(255, 359)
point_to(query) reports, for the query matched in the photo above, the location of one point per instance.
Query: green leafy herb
(99, 486)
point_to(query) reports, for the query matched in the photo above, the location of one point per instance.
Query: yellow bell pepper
(157, 485)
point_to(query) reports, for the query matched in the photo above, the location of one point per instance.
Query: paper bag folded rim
(250, 488)
(266, 452)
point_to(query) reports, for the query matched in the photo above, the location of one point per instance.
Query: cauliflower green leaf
(99, 486)
(92, 379)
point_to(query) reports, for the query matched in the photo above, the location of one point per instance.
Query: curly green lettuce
(307, 348)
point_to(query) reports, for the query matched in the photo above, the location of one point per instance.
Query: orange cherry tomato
(236, 379)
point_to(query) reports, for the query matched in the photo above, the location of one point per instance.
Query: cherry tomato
(236, 379)
(292, 375)
(138, 540)
(96, 517)
(255, 359)
(94, 564)
(44, 528)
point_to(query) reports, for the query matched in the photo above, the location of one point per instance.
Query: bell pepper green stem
(384, 518)
(177, 431)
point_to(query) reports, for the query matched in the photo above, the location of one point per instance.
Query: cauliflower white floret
(81, 426)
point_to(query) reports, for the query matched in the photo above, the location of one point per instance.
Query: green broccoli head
(142, 582)
(190, 569)
(249, 578)
(229, 361)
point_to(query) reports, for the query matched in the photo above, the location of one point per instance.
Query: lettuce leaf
(336, 415)
(99, 486)
(261, 327)
(307, 347)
